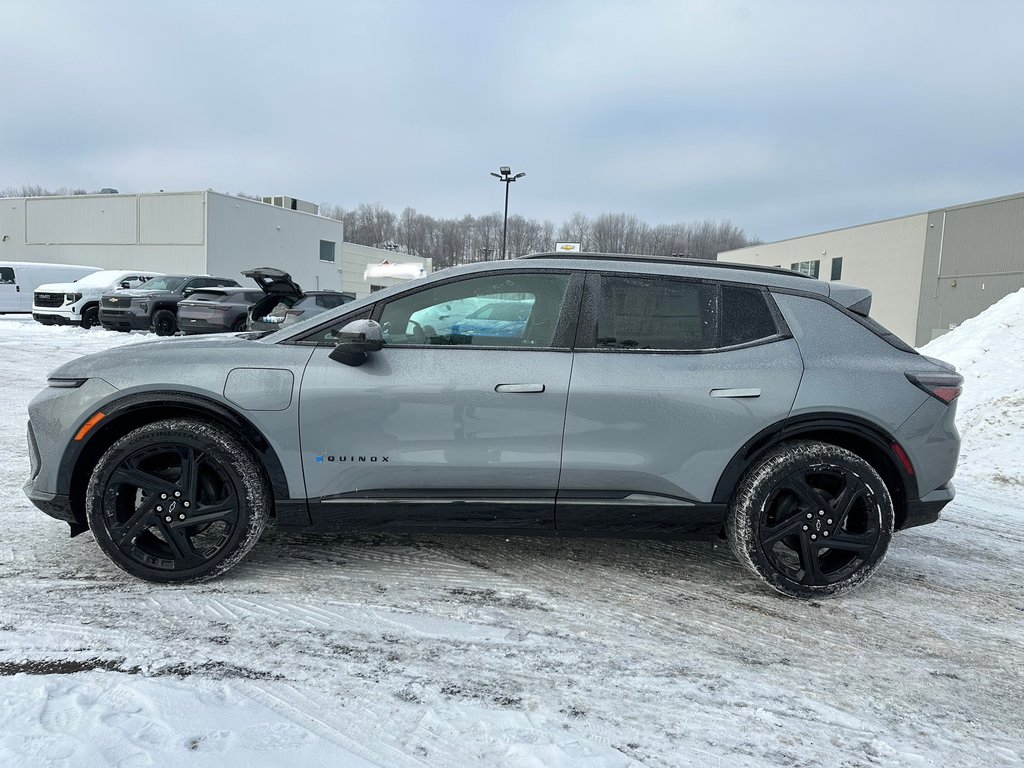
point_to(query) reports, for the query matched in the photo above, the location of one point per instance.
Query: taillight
(942, 386)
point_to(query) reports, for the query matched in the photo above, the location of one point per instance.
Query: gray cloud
(785, 117)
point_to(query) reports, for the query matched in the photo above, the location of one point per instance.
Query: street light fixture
(505, 176)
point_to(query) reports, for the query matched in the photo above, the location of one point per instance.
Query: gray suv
(637, 397)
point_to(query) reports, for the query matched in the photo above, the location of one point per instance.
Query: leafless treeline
(478, 238)
(34, 190)
(458, 241)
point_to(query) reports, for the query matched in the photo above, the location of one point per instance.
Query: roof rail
(590, 256)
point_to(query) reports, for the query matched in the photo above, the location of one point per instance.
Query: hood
(135, 293)
(112, 364)
(275, 282)
(56, 288)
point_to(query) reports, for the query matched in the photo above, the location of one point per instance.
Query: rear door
(670, 378)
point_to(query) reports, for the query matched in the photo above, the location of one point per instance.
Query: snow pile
(988, 351)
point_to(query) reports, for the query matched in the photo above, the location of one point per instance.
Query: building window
(806, 267)
(326, 250)
(837, 268)
(375, 288)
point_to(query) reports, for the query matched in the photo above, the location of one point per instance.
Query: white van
(19, 280)
(78, 303)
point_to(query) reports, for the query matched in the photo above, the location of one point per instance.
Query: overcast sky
(784, 117)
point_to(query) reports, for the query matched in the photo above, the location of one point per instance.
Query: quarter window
(518, 310)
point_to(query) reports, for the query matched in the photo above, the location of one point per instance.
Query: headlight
(72, 297)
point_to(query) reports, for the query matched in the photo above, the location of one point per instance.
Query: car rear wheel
(238, 325)
(177, 500)
(811, 519)
(165, 323)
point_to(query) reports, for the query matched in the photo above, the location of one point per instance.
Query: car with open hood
(285, 303)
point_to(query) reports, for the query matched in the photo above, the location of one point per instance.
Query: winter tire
(165, 323)
(811, 519)
(176, 501)
(90, 317)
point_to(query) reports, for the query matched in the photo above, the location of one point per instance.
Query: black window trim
(565, 331)
(586, 334)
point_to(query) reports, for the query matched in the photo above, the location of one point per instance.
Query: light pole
(506, 177)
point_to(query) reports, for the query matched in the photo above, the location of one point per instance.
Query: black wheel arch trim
(123, 414)
(857, 432)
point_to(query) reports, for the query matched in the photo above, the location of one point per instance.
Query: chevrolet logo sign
(113, 301)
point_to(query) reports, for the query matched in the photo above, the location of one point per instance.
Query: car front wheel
(811, 519)
(165, 323)
(177, 500)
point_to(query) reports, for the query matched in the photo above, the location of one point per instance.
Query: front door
(11, 299)
(457, 421)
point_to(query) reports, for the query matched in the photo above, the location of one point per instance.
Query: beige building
(928, 272)
(190, 232)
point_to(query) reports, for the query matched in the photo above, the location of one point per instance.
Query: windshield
(162, 284)
(101, 279)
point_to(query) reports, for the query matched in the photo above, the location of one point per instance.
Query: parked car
(78, 303)
(20, 279)
(499, 319)
(154, 304)
(216, 310)
(643, 397)
(285, 302)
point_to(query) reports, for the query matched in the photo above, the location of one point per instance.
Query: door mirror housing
(355, 340)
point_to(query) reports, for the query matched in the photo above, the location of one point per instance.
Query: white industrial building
(928, 272)
(190, 232)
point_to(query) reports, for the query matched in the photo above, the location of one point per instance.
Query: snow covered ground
(378, 650)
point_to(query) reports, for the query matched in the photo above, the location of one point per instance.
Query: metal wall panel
(85, 220)
(928, 313)
(172, 219)
(984, 239)
(961, 298)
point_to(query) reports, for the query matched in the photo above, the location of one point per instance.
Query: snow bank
(989, 351)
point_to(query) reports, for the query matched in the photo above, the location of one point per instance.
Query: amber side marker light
(89, 425)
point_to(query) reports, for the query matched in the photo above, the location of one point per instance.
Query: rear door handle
(519, 388)
(747, 392)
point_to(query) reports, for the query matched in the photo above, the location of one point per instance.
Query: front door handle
(747, 392)
(519, 388)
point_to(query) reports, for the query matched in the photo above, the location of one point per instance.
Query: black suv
(154, 304)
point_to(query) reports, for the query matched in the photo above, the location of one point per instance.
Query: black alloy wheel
(90, 317)
(165, 323)
(811, 519)
(178, 500)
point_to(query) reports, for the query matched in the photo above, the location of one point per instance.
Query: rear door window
(674, 314)
(6, 276)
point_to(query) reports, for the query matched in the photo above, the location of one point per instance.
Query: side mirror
(188, 291)
(125, 284)
(355, 340)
